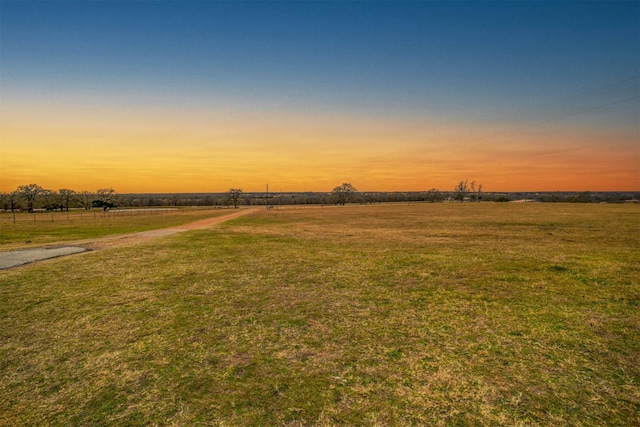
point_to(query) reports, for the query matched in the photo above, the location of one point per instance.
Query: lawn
(426, 314)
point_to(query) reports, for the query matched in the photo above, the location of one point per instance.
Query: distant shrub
(502, 199)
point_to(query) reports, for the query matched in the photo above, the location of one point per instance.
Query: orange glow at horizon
(164, 151)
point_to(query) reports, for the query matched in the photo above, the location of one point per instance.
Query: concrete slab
(25, 256)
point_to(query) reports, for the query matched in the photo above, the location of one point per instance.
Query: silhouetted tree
(11, 200)
(234, 195)
(106, 199)
(30, 194)
(461, 190)
(47, 197)
(344, 193)
(476, 191)
(85, 198)
(65, 195)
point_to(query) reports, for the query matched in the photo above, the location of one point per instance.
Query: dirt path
(128, 239)
(19, 257)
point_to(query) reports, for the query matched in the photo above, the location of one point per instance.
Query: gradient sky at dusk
(202, 96)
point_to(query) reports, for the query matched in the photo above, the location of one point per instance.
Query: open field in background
(51, 227)
(443, 314)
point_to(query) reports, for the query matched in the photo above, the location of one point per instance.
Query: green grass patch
(445, 314)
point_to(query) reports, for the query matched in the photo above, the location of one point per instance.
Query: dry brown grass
(445, 314)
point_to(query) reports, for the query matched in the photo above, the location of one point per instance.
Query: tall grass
(465, 314)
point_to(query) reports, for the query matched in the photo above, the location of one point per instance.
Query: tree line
(32, 196)
(464, 191)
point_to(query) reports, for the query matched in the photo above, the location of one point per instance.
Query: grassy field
(51, 227)
(443, 314)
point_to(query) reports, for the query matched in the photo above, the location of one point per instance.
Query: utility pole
(267, 196)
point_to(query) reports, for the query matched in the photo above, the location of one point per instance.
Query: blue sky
(489, 66)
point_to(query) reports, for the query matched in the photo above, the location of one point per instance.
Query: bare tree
(105, 198)
(11, 200)
(461, 190)
(65, 195)
(433, 195)
(85, 198)
(47, 198)
(234, 195)
(106, 194)
(30, 194)
(343, 193)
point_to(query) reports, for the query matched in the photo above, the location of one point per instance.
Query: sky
(203, 96)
